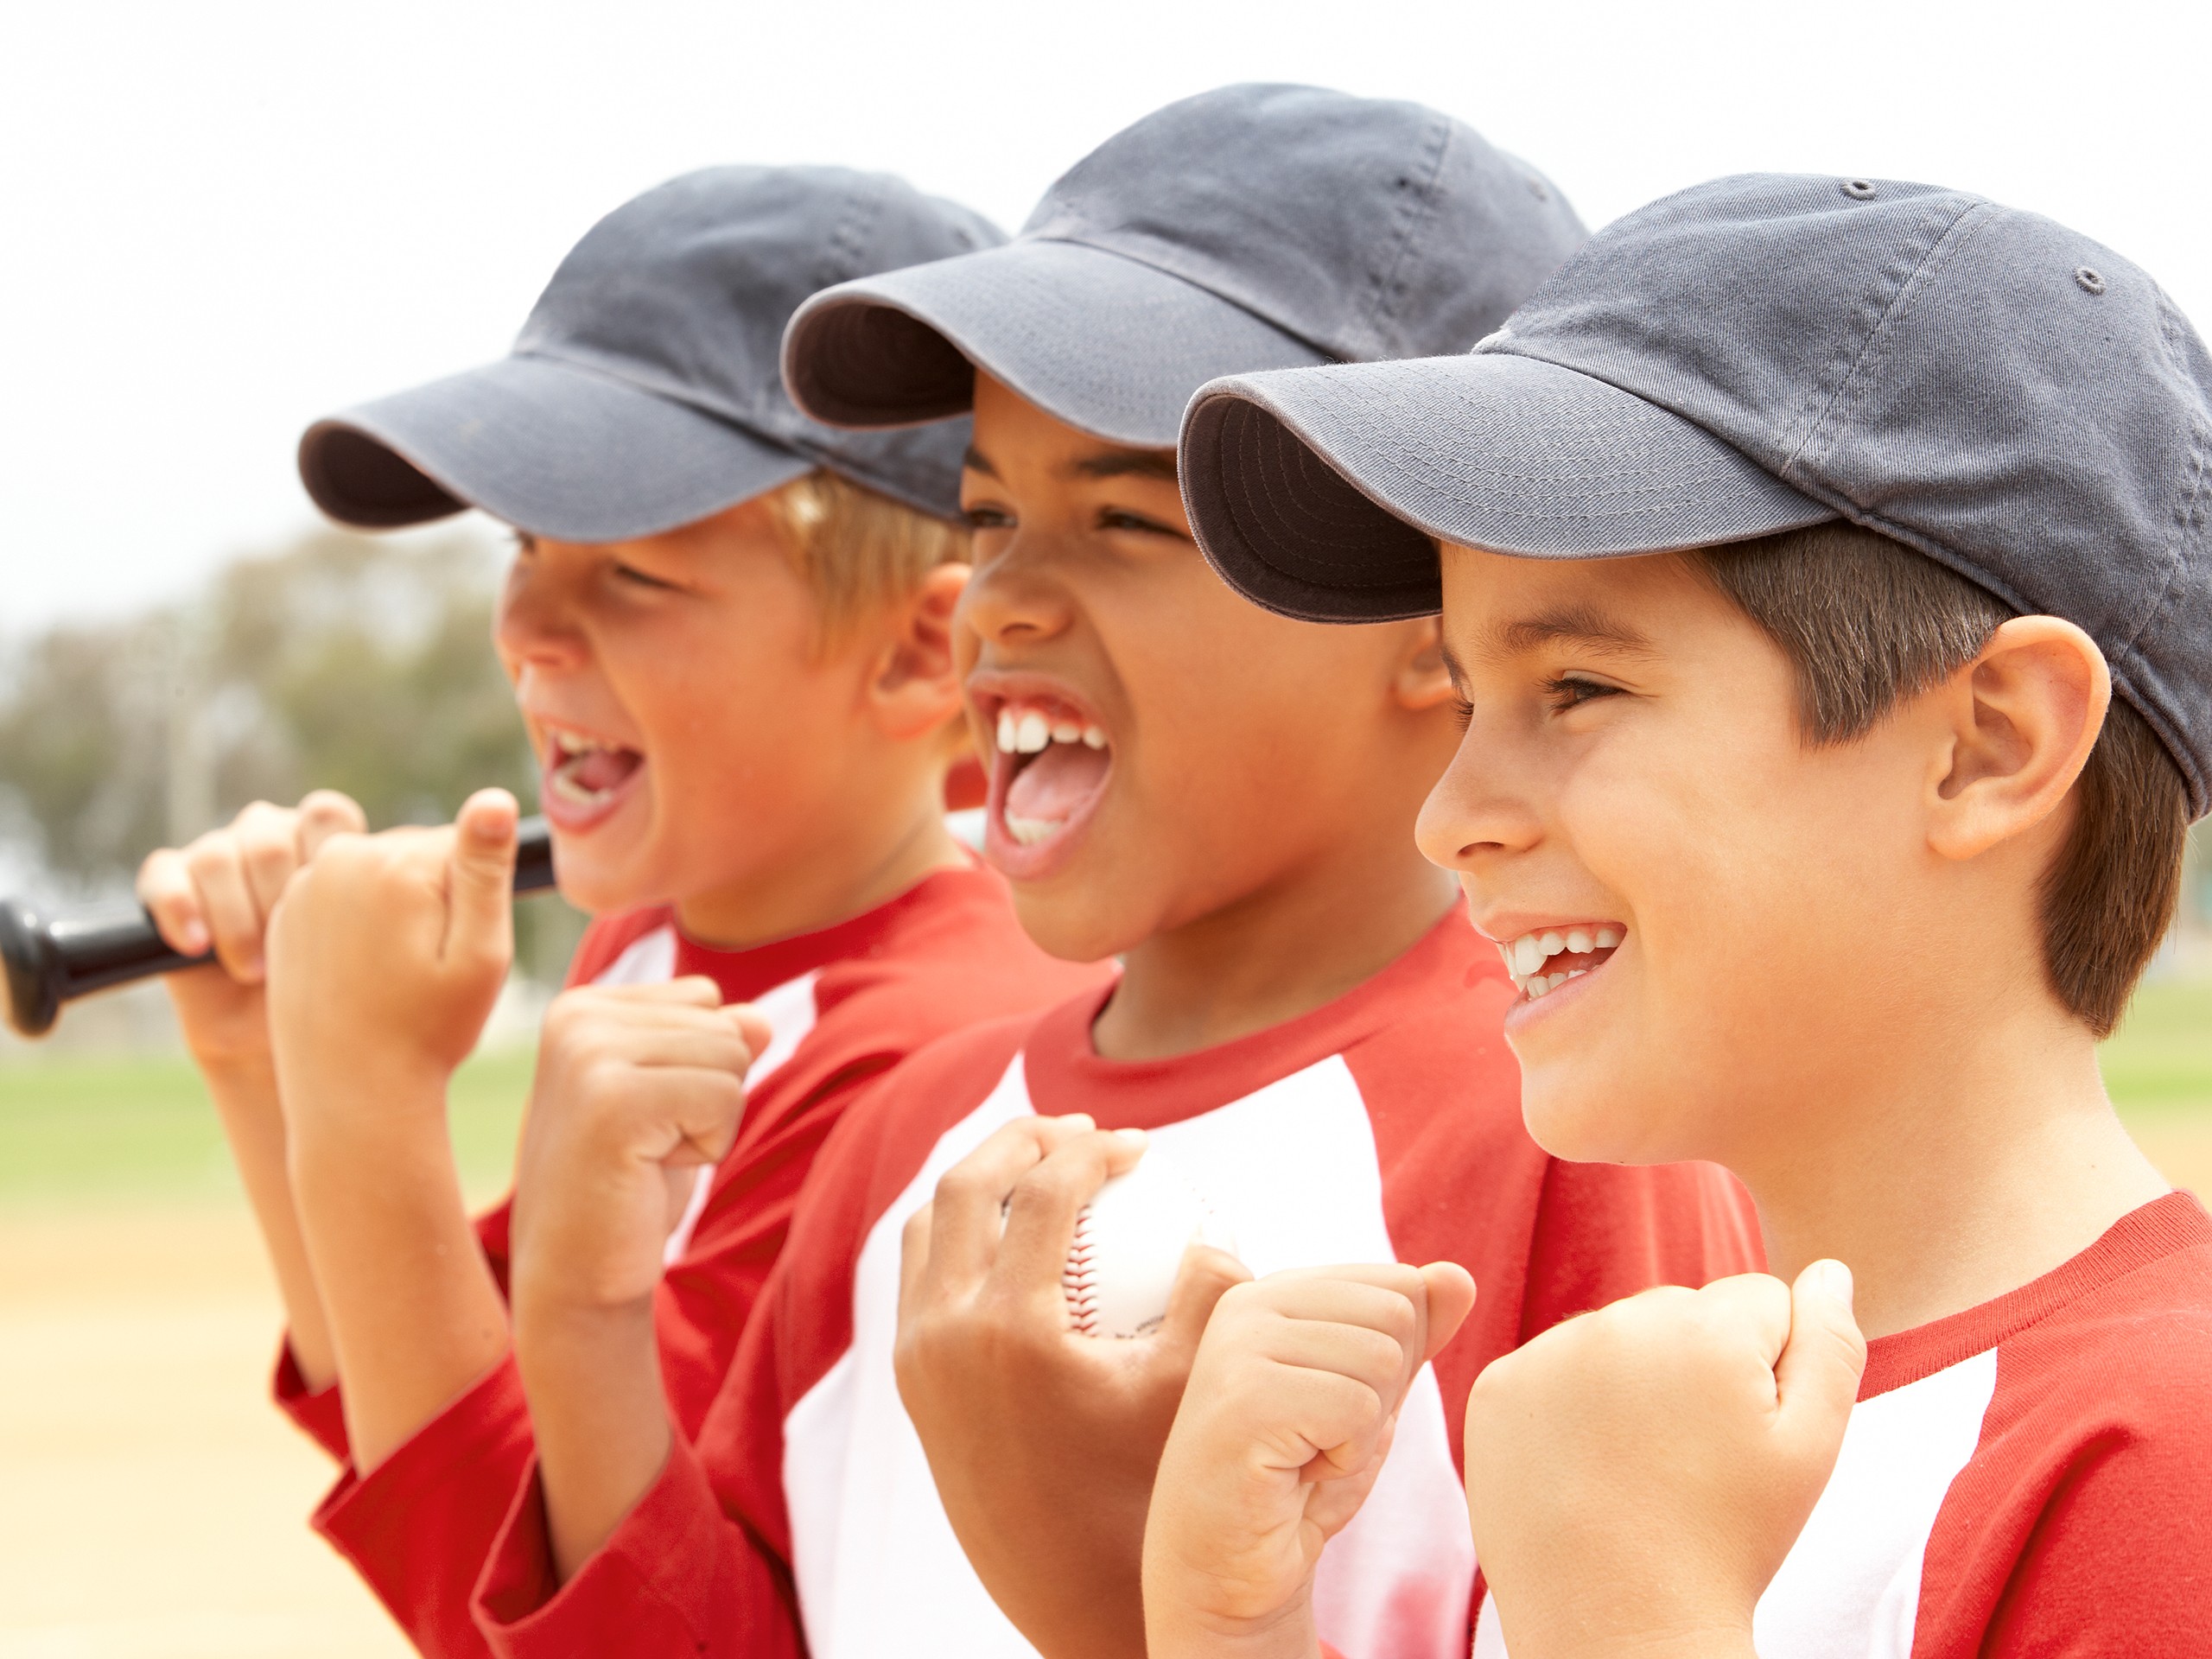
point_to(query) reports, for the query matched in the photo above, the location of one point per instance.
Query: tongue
(603, 769)
(1057, 782)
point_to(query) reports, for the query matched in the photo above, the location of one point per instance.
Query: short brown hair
(857, 550)
(1868, 623)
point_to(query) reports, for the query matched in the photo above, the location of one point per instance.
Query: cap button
(2090, 280)
(1858, 189)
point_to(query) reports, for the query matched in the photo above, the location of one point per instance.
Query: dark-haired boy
(1860, 800)
(1224, 799)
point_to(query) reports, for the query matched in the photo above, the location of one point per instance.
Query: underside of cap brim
(550, 447)
(1108, 344)
(1322, 493)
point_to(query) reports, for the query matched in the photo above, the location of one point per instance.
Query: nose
(535, 624)
(1474, 814)
(1014, 599)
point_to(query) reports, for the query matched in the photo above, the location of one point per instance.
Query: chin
(1589, 1114)
(1068, 919)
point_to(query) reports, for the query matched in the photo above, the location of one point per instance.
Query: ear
(1420, 681)
(916, 686)
(2023, 717)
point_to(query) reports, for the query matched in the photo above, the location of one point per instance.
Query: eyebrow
(1127, 463)
(976, 462)
(1574, 625)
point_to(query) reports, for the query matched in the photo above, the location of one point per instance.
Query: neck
(1273, 955)
(1960, 1171)
(856, 861)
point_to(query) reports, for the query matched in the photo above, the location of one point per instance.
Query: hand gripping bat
(50, 959)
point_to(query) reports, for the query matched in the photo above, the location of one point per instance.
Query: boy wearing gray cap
(1826, 567)
(728, 629)
(1302, 1042)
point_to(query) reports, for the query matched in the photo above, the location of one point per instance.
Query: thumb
(1451, 1298)
(480, 876)
(1817, 1379)
(751, 1025)
(1207, 1274)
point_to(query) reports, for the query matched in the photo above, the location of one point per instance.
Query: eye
(1121, 518)
(1463, 712)
(635, 577)
(1573, 690)
(987, 517)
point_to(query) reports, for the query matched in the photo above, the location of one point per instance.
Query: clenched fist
(1289, 1414)
(638, 1088)
(1637, 1476)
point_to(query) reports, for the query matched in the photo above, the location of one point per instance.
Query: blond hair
(858, 550)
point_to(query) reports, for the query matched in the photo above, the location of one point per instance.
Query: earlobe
(2023, 717)
(1421, 681)
(916, 688)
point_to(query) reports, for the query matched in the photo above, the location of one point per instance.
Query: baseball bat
(50, 959)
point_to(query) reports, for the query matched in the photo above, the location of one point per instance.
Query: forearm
(592, 1376)
(413, 1312)
(247, 1106)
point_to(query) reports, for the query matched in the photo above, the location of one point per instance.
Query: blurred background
(221, 222)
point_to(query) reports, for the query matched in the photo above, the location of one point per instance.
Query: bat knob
(34, 971)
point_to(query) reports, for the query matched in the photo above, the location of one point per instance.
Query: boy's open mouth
(1542, 961)
(585, 777)
(1049, 764)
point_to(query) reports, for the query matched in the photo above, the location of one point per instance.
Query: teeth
(1029, 832)
(1525, 957)
(1031, 731)
(569, 745)
(569, 789)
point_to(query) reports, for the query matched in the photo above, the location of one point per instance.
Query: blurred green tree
(341, 661)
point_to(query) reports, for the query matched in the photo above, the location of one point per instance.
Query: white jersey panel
(790, 1012)
(648, 961)
(1293, 1168)
(1850, 1586)
(874, 1556)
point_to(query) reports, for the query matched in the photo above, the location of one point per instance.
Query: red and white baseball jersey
(846, 1004)
(2031, 1476)
(1383, 1127)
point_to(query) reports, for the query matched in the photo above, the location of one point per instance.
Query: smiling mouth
(1049, 767)
(1540, 962)
(585, 776)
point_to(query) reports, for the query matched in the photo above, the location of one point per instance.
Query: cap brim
(551, 448)
(1322, 493)
(1104, 343)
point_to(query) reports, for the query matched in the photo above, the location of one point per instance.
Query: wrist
(1178, 1625)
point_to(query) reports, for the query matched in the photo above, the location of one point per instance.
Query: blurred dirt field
(152, 1503)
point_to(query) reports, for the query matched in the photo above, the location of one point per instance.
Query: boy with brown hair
(1826, 566)
(727, 627)
(916, 1428)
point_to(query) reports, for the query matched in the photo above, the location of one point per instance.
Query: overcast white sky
(219, 220)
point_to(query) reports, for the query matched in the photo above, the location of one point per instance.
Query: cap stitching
(1382, 314)
(1875, 345)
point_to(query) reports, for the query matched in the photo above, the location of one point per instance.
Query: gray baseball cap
(643, 392)
(2006, 397)
(1251, 227)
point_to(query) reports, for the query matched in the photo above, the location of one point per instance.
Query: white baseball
(1128, 1241)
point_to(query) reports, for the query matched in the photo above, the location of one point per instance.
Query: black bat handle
(51, 959)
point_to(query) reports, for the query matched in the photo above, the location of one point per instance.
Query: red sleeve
(677, 1577)
(2083, 1527)
(318, 1414)
(418, 1527)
